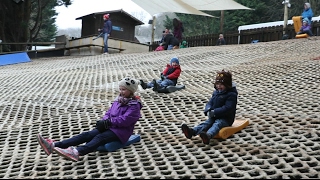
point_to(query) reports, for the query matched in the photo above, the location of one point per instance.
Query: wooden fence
(266, 34)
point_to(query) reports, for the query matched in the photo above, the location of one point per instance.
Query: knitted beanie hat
(305, 20)
(307, 4)
(130, 84)
(224, 77)
(175, 59)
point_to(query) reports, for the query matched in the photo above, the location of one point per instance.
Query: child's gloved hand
(211, 114)
(103, 125)
(206, 111)
(163, 77)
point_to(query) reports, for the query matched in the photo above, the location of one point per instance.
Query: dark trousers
(307, 32)
(93, 140)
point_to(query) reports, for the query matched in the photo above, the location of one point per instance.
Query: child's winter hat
(224, 77)
(130, 84)
(305, 20)
(307, 4)
(175, 59)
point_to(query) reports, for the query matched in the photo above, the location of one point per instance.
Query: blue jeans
(170, 47)
(211, 126)
(309, 32)
(93, 140)
(105, 42)
(164, 83)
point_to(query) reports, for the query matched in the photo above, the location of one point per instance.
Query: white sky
(67, 16)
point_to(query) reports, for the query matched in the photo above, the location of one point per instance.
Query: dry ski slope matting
(278, 88)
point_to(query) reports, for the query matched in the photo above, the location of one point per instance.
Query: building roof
(137, 21)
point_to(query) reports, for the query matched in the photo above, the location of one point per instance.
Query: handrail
(33, 43)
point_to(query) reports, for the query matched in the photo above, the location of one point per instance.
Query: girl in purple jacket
(116, 125)
(305, 28)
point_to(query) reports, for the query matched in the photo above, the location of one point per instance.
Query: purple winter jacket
(305, 28)
(123, 118)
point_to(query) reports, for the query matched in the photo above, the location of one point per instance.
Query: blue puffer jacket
(224, 104)
(307, 13)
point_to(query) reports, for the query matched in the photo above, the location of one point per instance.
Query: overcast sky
(67, 16)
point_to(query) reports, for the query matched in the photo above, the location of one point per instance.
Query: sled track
(278, 88)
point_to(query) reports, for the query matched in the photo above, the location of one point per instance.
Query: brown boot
(188, 132)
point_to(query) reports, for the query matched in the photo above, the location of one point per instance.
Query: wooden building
(123, 24)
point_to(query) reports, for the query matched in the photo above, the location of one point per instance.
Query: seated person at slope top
(305, 28)
(169, 76)
(184, 44)
(161, 43)
(170, 42)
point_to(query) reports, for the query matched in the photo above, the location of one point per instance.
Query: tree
(27, 20)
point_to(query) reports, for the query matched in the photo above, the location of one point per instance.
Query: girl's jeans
(164, 83)
(211, 126)
(105, 42)
(93, 140)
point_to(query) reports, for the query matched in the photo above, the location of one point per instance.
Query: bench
(89, 46)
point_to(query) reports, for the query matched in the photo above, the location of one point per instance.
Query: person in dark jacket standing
(220, 109)
(177, 29)
(169, 76)
(117, 124)
(106, 30)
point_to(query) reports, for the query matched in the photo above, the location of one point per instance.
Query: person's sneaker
(143, 84)
(105, 53)
(155, 85)
(46, 144)
(187, 131)
(68, 153)
(205, 138)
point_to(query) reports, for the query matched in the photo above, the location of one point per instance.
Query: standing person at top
(307, 13)
(221, 109)
(117, 124)
(221, 40)
(106, 30)
(177, 29)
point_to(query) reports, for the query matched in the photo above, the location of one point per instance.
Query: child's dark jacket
(224, 104)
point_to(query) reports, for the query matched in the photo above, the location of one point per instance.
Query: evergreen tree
(25, 21)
